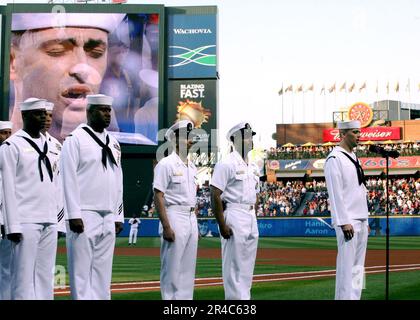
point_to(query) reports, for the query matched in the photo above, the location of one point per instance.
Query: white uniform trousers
(90, 256)
(5, 269)
(351, 261)
(239, 252)
(33, 262)
(132, 238)
(178, 258)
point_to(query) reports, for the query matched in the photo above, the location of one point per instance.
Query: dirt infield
(130, 287)
(400, 260)
(294, 257)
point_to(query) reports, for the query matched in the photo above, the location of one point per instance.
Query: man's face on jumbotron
(61, 65)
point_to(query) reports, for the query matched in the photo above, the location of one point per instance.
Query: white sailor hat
(170, 134)
(352, 124)
(49, 106)
(98, 99)
(121, 34)
(6, 125)
(239, 126)
(31, 21)
(32, 104)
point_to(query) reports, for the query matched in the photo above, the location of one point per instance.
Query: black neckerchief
(106, 150)
(42, 157)
(359, 169)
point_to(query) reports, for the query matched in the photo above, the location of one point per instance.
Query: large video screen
(63, 57)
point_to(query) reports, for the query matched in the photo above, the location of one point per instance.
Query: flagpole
(387, 93)
(293, 106)
(345, 95)
(282, 105)
(399, 104)
(409, 100)
(313, 102)
(303, 105)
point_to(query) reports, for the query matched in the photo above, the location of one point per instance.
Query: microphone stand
(387, 230)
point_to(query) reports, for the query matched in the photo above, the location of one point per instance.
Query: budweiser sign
(370, 133)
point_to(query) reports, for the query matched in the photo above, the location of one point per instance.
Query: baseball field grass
(306, 266)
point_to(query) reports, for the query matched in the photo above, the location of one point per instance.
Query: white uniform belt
(179, 208)
(240, 206)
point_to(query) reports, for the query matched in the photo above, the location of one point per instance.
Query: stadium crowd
(279, 198)
(283, 198)
(290, 151)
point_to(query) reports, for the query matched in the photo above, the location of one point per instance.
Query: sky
(269, 44)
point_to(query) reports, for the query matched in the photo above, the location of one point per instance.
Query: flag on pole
(281, 91)
(310, 88)
(289, 88)
(351, 88)
(377, 87)
(343, 86)
(323, 88)
(407, 87)
(299, 88)
(362, 87)
(397, 87)
(387, 87)
(332, 88)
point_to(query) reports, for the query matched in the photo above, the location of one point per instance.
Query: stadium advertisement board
(293, 227)
(399, 163)
(192, 50)
(367, 164)
(369, 133)
(194, 100)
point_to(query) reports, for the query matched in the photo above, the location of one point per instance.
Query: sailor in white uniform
(30, 205)
(5, 245)
(349, 210)
(175, 189)
(235, 182)
(93, 201)
(54, 154)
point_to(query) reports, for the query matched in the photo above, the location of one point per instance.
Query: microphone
(384, 153)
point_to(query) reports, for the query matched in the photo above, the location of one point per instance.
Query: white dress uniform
(134, 228)
(94, 194)
(178, 258)
(30, 209)
(5, 244)
(5, 256)
(239, 183)
(348, 200)
(54, 155)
